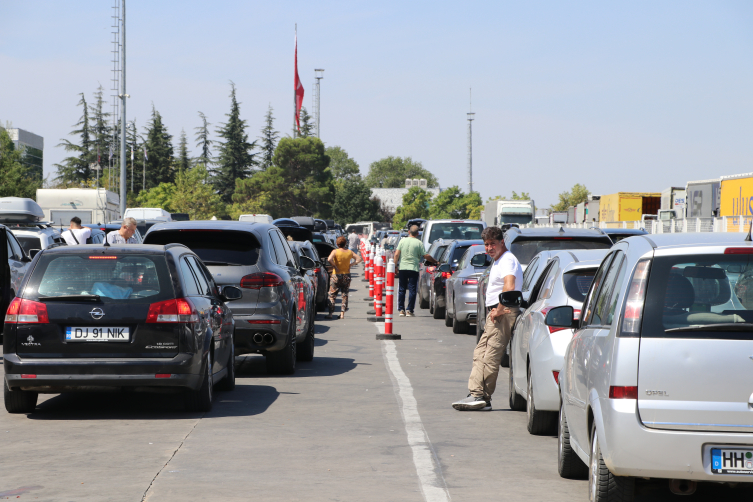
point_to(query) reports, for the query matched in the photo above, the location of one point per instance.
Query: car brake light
(26, 312)
(552, 329)
(26, 375)
(430, 270)
(623, 392)
(103, 257)
(162, 375)
(260, 280)
(263, 321)
(470, 282)
(631, 322)
(179, 310)
(446, 275)
(739, 250)
(556, 375)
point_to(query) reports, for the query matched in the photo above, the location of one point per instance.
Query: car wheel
(447, 319)
(569, 464)
(431, 303)
(305, 349)
(422, 302)
(228, 383)
(539, 422)
(19, 401)
(438, 311)
(517, 403)
(603, 486)
(282, 362)
(459, 327)
(201, 398)
(322, 306)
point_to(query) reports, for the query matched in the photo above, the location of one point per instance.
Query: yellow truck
(736, 195)
(628, 206)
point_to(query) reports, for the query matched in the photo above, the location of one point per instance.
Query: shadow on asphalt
(244, 400)
(253, 366)
(318, 342)
(658, 490)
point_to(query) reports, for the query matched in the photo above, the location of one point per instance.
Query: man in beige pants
(506, 274)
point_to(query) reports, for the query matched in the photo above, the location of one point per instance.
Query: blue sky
(619, 96)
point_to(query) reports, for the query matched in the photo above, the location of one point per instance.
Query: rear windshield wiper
(221, 263)
(725, 326)
(85, 298)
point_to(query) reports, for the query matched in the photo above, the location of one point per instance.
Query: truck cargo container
(558, 217)
(92, 205)
(672, 203)
(702, 198)
(628, 206)
(736, 195)
(500, 212)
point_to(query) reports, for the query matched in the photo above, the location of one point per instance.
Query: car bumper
(466, 306)
(59, 375)
(630, 449)
(248, 326)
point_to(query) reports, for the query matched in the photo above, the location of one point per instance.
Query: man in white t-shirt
(506, 274)
(76, 234)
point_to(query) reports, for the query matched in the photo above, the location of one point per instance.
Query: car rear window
(706, 296)
(525, 249)
(28, 242)
(458, 253)
(214, 247)
(115, 278)
(466, 231)
(577, 283)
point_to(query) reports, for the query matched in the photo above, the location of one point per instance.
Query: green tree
(342, 166)
(203, 143)
(391, 172)
(75, 169)
(579, 193)
(353, 202)
(307, 128)
(195, 195)
(159, 152)
(522, 196)
(16, 179)
(235, 160)
(101, 131)
(453, 203)
(184, 161)
(159, 196)
(268, 139)
(416, 204)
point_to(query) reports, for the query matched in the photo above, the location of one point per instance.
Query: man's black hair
(76, 220)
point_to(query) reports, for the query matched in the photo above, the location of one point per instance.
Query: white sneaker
(402, 313)
(472, 403)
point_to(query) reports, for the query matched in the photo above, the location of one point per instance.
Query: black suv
(118, 316)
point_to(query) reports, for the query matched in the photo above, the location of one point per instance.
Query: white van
(90, 204)
(147, 213)
(256, 218)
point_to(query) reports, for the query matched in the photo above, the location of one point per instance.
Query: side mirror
(230, 293)
(479, 260)
(561, 317)
(307, 263)
(454, 266)
(511, 299)
(445, 267)
(33, 253)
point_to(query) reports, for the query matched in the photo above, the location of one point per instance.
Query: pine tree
(235, 160)
(75, 169)
(307, 127)
(268, 139)
(184, 162)
(101, 129)
(203, 143)
(159, 150)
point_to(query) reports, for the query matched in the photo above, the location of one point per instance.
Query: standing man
(506, 274)
(340, 259)
(125, 234)
(353, 241)
(76, 234)
(408, 255)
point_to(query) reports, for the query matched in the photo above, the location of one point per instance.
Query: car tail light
(26, 375)
(162, 375)
(616, 392)
(22, 311)
(631, 322)
(739, 250)
(316, 270)
(179, 310)
(552, 329)
(470, 282)
(446, 275)
(260, 280)
(556, 375)
(430, 270)
(103, 257)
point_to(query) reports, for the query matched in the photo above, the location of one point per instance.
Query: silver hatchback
(656, 379)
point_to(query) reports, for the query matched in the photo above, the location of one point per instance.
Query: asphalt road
(367, 420)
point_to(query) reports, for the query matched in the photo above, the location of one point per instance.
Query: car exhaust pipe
(269, 339)
(682, 486)
(258, 338)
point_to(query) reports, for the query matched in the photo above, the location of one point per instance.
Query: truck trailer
(702, 198)
(500, 212)
(628, 206)
(736, 195)
(92, 205)
(672, 203)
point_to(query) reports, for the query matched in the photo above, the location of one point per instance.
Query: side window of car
(288, 252)
(601, 305)
(200, 279)
(276, 252)
(189, 281)
(535, 292)
(11, 255)
(530, 273)
(550, 281)
(616, 292)
(590, 302)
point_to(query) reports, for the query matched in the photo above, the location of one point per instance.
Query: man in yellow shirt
(340, 259)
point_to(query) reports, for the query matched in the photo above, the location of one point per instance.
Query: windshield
(360, 229)
(686, 294)
(28, 242)
(114, 278)
(214, 247)
(515, 218)
(466, 231)
(577, 283)
(526, 248)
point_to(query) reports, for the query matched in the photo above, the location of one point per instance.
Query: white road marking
(431, 480)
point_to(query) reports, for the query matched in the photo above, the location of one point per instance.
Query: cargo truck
(702, 198)
(672, 203)
(501, 212)
(736, 195)
(92, 205)
(628, 206)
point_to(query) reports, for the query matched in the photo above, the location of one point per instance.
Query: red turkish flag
(298, 89)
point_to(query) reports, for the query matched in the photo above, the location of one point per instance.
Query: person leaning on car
(124, 235)
(506, 274)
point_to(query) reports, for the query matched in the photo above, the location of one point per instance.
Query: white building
(392, 198)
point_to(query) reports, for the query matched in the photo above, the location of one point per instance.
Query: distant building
(392, 198)
(33, 147)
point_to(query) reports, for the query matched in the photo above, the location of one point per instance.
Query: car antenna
(561, 229)
(750, 228)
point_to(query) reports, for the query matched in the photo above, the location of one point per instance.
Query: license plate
(92, 334)
(732, 461)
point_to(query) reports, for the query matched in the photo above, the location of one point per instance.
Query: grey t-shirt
(114, 237)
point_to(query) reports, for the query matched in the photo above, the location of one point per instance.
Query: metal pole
(123, 97)
(470, 149)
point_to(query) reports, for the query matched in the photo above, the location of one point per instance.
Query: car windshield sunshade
(214, 247)
(114, 278)
(465, 231)
(701, 296)
(525, 249)
(577, 283)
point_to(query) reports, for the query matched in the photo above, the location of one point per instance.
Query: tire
(19, 401)
(539, 422)
(423, 303)
(459, 327)
(505, 361)
(516, 401)
(305, 349)
(603, 486)
(322, 306)
(201, 398)
(282, 362)
(438, 311)
(431, 303)
(228, 383)
(569, 464)
(448, 321)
